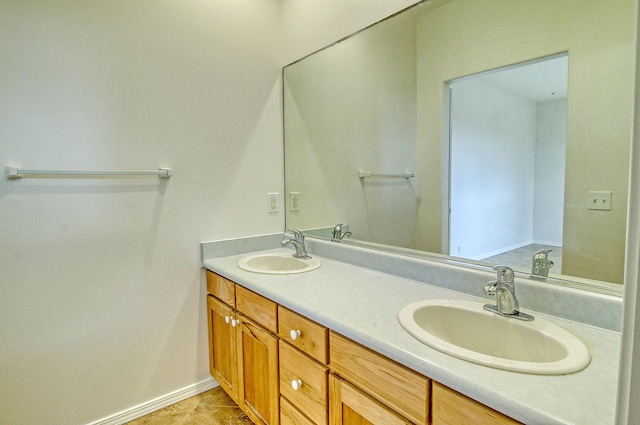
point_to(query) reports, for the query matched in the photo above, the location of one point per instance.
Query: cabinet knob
(295, 333)
(296, 384)
(227, 319)
(235, 322)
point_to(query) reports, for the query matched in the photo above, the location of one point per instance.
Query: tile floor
(213, 407)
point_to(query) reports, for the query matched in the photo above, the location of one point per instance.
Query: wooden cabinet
(261, 310)
(221, 288)
(289, 415)
(399, 388)
(243, 351)
(304, 334)
(453, 408)
(258, 373)
(351, 406)
(283, 369)
(303, 381)
(223, 331)
(303, 367)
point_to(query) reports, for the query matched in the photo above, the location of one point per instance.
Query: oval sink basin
(277, 263)
(465, 330)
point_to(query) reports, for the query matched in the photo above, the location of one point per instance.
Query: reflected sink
(465, 330)
(277, 263)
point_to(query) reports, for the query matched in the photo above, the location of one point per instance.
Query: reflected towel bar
(14, 173)
(364, 174)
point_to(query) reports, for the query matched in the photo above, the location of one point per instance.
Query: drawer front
(310, 337)
(311, 378)
(258, 308)
(221, 288)
(403, 390)
(289, 415)
(452, 408)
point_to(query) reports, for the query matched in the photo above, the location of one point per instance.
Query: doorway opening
(507, 139)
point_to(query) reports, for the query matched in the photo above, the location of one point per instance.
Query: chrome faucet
(298, 243)
(541, 263)
(338, 234)
(505, 291)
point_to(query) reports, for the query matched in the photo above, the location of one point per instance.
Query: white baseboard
(500, 251)
(157, 404)
(550, 243)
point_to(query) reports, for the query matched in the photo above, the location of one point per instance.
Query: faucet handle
(542, 254)
(505, 274)
(297, 234)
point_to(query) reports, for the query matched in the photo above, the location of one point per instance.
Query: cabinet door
(223, 359)
(396, 386)
(258, 373)
(350, 406)
(452, 408)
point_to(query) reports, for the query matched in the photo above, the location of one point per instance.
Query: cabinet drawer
(221, 288)
(311, 337)
(311, 377)
(289, 415)
(452, 408)
(258, 308)
(401, 389)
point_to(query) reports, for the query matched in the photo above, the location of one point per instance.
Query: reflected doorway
(507, 136)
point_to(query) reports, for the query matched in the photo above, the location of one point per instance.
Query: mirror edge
(589, 285)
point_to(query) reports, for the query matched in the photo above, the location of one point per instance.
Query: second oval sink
(465, 330)
(277, 263)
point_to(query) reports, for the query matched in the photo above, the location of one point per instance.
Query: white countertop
(363, 304)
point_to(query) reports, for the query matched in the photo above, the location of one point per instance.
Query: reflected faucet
(541, 263)
(338, 234)
(505, 291)
(298, 243)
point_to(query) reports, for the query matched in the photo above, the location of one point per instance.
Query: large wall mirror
(474, 130)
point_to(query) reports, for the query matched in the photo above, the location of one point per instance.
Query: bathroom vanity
(255, 344)
(325, 347)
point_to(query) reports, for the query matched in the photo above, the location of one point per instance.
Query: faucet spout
(505, 291)
(338, 233)
(541, 263)
(298, 243)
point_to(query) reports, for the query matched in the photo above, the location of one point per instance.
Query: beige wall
(103, 297)
(599, 37)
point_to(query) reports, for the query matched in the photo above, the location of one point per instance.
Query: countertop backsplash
(591, 308)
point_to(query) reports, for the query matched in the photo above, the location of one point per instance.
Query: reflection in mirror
(381, 100)
(509, 127)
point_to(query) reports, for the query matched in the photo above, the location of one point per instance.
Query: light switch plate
(294, 201)
(599, 200)
(273, 203)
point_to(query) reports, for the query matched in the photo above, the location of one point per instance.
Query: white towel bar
(14, 173)
(363, 174)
